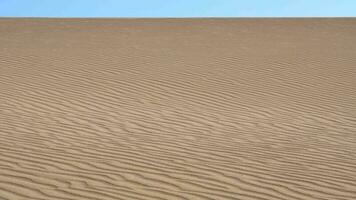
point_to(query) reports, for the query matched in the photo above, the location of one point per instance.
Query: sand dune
(142, 109)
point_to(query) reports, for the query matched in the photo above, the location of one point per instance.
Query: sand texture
(253, 109)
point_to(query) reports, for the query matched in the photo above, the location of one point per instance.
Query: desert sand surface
(253, 109)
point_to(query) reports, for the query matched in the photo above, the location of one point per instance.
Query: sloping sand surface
(251, 109)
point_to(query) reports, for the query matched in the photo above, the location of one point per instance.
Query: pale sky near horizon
(177, 8)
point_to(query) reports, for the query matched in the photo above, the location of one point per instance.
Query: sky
(177, 8)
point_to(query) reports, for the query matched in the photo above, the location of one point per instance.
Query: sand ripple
(178, 109)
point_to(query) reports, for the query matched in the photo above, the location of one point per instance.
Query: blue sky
(177, 8)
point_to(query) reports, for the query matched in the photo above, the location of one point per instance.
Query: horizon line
(212, 17)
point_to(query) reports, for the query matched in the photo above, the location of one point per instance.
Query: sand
(250, 109)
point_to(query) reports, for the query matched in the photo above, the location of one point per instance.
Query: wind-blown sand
(178, 109)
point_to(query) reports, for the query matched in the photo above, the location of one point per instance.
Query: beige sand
(178, 109)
